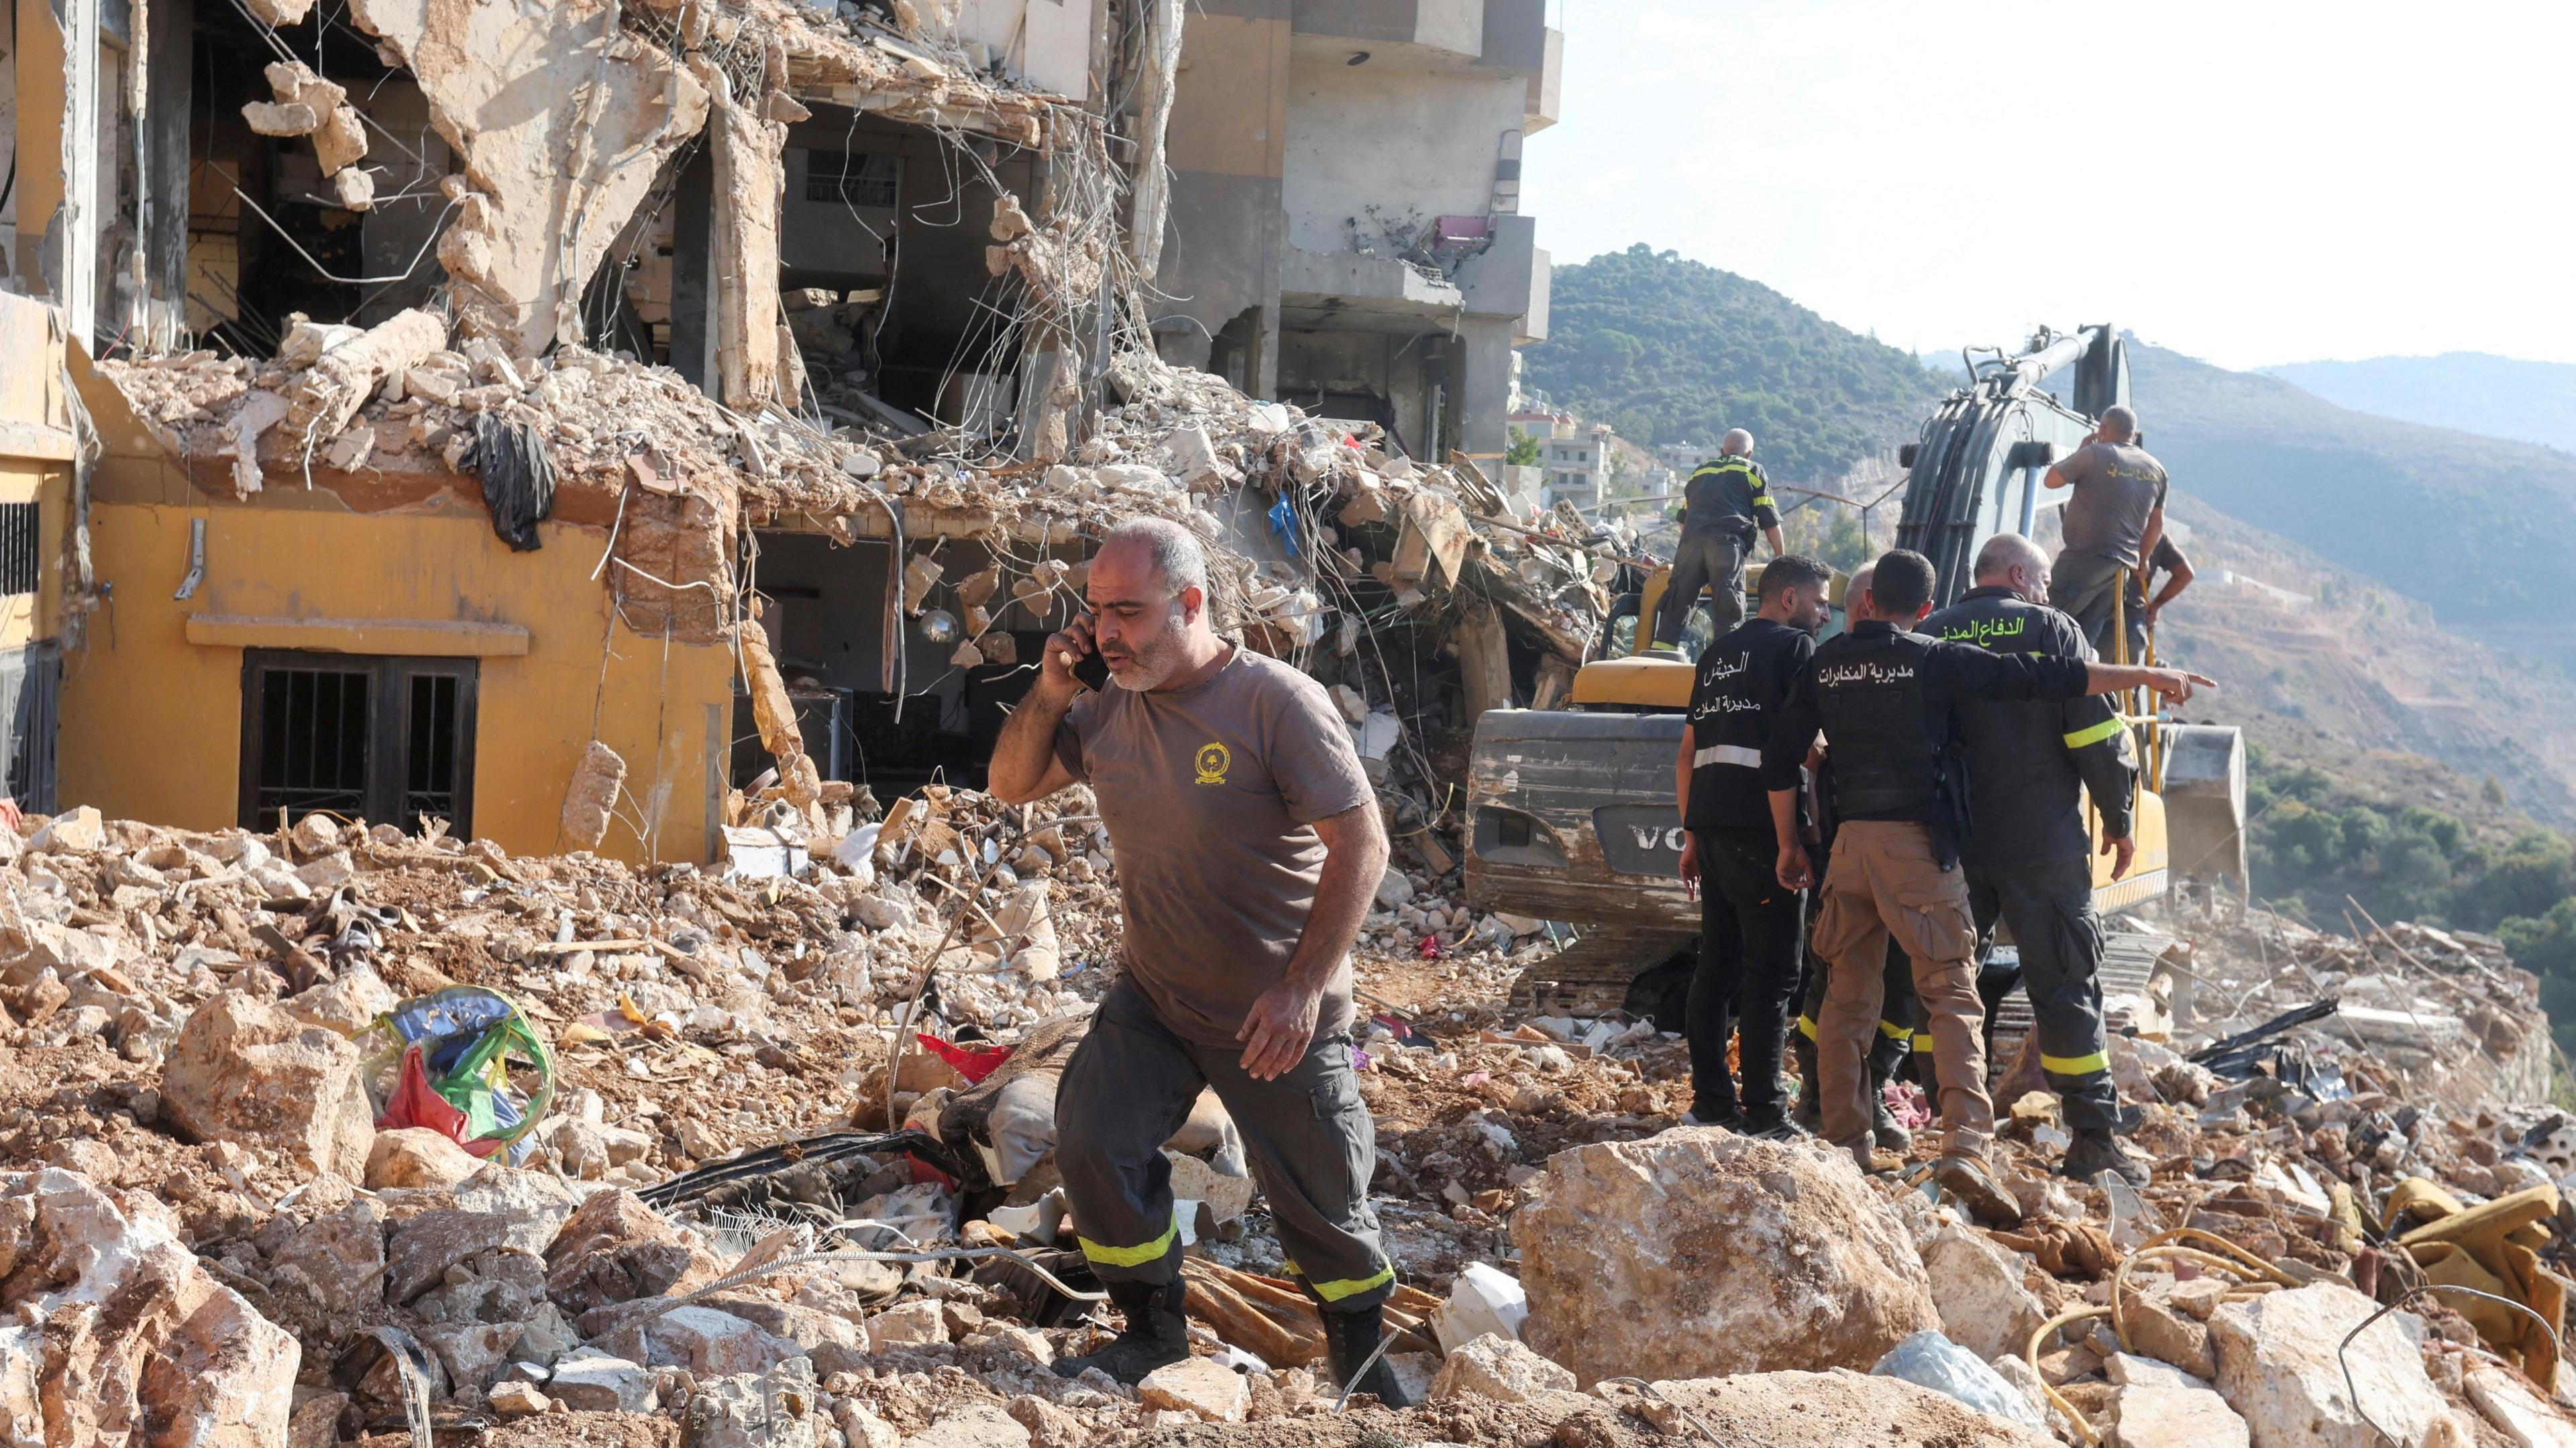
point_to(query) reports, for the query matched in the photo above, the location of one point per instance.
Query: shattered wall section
(561, 124)
(750, 179)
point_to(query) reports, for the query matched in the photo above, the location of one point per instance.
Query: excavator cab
(1622, 676)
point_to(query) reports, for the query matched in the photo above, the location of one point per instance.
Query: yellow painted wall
(151, 724)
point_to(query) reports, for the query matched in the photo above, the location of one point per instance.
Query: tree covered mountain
(1669, 350)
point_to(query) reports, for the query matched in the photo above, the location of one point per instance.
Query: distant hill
(1668, 350)
(2477, 527)
(2471, 391)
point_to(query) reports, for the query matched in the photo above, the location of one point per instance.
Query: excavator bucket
(2201, 774)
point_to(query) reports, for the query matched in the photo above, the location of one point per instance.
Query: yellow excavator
(1571, 815)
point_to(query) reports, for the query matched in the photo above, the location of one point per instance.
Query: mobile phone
(1092, 671)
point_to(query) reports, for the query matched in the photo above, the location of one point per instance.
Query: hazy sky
(2253, 182)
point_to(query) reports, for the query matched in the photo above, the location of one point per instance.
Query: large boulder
(111, 1331)
(2279, 1369)
(616, 1249)
(246, 1071)
(1834, 1409)
(1700, 1253)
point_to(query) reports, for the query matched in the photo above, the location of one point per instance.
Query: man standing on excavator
(1723, 505)
(2112, 523)
(2027, 855)
(1888, 700)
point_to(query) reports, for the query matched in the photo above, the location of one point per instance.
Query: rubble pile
(750, 1203)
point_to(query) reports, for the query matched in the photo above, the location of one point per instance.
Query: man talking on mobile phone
(1249, 848)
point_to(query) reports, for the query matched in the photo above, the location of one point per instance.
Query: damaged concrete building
(1346, 227)
(586, 424)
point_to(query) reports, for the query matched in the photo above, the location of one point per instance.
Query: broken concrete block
(592, 796)
(1498, 1368)
(75, 831)
(911, 1324)
(1984, 1306)
(109, 1324)
(518, 1400)
(595, 1382)
(346, 374)
(350, 450)
(780, 1408)
(2151, 1415)
(356, 189)
(346, 1003)
(2160, 1332)
(246, 1071)
(2279, 1369)
(710, 1343)
(2507, 1400)
(269, 118)
(416, 1156)
(259, 410)
(340, 141)
(616, 1249)
(2127, 1369)
(862, 1428)
(976, 1425)
(1707, 1253)
(1201, 1387)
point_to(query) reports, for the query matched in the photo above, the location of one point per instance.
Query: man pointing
(1249, 847)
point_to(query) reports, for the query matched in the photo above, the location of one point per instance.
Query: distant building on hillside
(1577, 460)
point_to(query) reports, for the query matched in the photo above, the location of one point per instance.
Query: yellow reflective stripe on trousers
(1131, 1256)
(1348, 1286)
(1923, 1041)
(2094, 734)
(1893, 1031)
(1807, 1027)
(2084, 1065)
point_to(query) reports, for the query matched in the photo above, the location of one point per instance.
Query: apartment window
(17, 548)
(389, 740)
(839, 178)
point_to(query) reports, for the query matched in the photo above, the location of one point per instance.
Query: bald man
(2112, 522)
(1723, 505)
(2027, 856)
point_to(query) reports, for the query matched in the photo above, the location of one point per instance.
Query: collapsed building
(569, 425)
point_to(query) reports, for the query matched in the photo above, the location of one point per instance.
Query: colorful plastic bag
(443, 1061)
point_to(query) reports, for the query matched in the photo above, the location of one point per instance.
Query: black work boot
(1807, 1115)
(1354, 1335)
(1156, 1335)
(2095, 1151)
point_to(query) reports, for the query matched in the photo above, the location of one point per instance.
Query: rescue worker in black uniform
(1888, 700)
(1725, 502)
(1896, 1023)
(1751, 930)
(2028, 854)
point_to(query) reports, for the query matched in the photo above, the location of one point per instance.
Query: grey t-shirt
(2115, 487)
(1210, 794)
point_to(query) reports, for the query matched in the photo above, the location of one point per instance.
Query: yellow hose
(2030, 1354)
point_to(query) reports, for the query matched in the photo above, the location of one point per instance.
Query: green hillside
(1668, 351)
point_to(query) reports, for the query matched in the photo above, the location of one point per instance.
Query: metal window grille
(389, 740)
(855, 179)
(18, 548)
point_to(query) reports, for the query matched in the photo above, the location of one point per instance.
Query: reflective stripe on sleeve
(2084, 1065)
(1745, 755)
(1807, 1027)
(2094, 734)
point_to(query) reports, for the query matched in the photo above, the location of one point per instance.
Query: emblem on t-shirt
(1213, 762)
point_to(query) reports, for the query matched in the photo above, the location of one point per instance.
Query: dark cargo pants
(1310, 1141)
(1714, 561)
(2049, 909)
(2087, 587)
(1751, 934)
